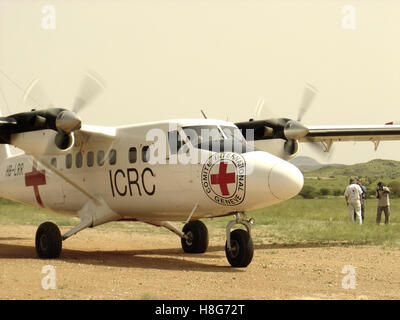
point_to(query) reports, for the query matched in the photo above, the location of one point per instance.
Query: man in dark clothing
(382, 194)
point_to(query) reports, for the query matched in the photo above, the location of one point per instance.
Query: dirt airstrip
(99, 264)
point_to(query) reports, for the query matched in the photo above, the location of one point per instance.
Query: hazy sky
(168, 59)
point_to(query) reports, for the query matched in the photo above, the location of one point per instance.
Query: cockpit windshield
(216, 138)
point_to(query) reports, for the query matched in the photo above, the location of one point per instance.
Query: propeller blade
(308, 97)
(90, 88)
(35, 96)
(259, 107)
(290, 146)
(324, 150)
(261, 111)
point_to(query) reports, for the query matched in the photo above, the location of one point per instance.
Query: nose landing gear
(239, 247)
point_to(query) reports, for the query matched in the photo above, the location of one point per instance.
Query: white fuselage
(136, 188)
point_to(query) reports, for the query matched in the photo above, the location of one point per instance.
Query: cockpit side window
(175, 141)
(217, 138)
(200, 134)
(232, 133)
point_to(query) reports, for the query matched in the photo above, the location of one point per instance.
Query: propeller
(35, 96)
(259, 106)
(308, 97)
(66, 121)
(90, 88)
(261, 111)
(294, 129)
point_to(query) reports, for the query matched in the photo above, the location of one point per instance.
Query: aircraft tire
(198, 233)
(48, 241)
(242, 249)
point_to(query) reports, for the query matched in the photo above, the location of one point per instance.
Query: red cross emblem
(223, 178)
(35, 179)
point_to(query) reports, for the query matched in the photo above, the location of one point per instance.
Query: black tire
(48, 241)
(242, 249)
(198, 234)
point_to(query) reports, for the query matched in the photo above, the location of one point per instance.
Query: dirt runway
(98, 264)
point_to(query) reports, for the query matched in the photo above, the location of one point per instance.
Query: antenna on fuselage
(204, 115)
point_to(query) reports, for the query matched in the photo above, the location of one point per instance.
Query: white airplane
(157, 173)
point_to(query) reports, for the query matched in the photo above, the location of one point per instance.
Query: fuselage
(141, 176)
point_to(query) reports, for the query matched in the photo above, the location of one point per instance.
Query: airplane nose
(285, 180)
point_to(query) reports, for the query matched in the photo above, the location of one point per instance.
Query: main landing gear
(48, 241)
(196, 237)
(239, 247)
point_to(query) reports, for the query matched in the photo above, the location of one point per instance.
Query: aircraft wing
(352, 133)
(291, 132)
(95, 134)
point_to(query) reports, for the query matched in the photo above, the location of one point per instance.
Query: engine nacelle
(43, 142)
(284, 149)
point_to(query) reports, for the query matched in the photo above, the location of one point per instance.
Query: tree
(324, 191)
(308, 192)
(338, 192)
(394, 188)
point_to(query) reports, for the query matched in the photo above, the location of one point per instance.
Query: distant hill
(377, 169)
(306, 164)
(336, 178)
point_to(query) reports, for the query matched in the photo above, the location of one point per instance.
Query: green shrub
(394, 188)
(308, 192)
(324, 191)
(338, 192)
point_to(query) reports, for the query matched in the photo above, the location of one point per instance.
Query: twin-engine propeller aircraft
(112, 174)
(157, 173)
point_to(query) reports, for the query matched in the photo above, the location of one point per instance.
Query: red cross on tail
(223, 178)
(35, 179)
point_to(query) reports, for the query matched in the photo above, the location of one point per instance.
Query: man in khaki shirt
(382, 193)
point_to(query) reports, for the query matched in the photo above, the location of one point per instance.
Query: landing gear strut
(239, 247)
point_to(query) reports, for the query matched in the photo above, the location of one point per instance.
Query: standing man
(382, 193)
(364, 193)
(353, 196)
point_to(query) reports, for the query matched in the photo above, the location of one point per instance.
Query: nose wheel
(239, 247)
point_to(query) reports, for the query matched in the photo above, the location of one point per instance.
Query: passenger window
(54, 162)
(112, 157)
(78, 160)
(100, 158)
(132, 155)
(90, 159)
(145, 154)
(68, 161)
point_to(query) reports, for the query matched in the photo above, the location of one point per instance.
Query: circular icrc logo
(223, 178)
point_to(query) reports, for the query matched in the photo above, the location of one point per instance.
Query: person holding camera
(382, 194)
